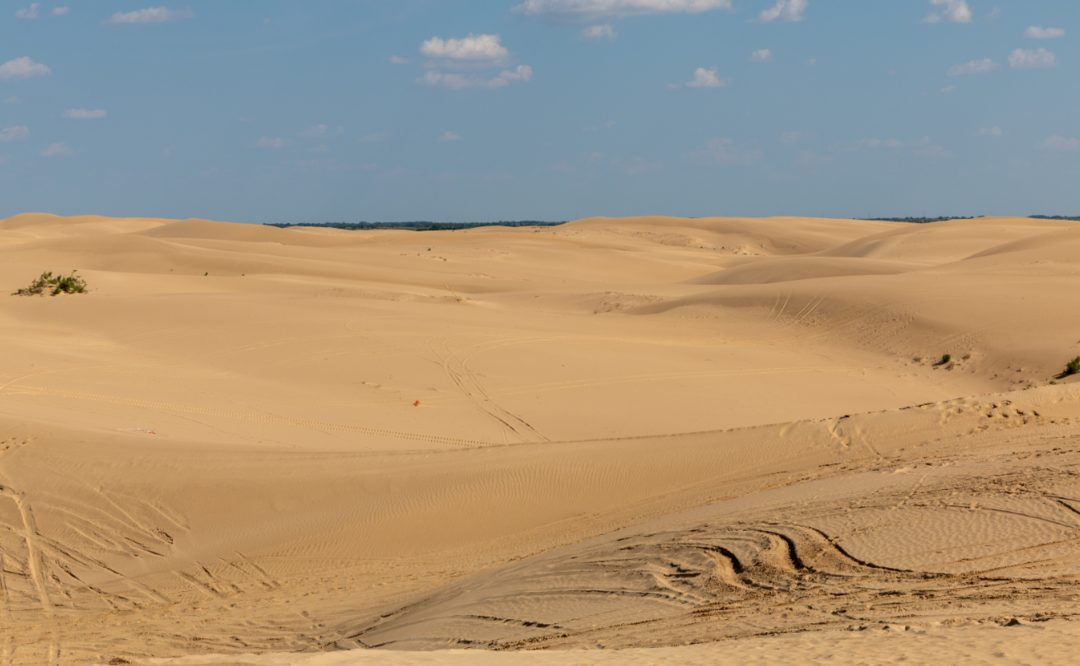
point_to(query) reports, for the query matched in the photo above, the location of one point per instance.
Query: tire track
(247, 416)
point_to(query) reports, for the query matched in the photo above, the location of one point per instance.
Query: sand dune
(621, 433)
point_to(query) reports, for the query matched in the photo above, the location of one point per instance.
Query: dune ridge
(634, 434)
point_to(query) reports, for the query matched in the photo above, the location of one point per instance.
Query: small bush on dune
(66, 284)
(945, 358)
(1073, 366)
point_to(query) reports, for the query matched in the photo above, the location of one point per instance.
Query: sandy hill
(632, 433)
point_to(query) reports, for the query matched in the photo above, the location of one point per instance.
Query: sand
(618, 441)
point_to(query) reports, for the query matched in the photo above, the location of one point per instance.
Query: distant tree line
(916, 220)
(418, 226)
(925, 220)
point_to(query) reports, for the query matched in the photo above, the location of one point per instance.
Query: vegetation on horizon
(66, 284)
(416, 226)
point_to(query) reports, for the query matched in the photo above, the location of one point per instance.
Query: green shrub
(945, 358)
(69, 284)
(1073, 366)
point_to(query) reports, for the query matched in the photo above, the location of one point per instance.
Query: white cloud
(706, 78)
(956, 11)
(811, 61)
(784, 10)
(372, 138)
(1061, 144)
(520, 73)
(57, 149)
(473, 48)
(722, 151)
(150, 15)
(587, 10)
(764, 55)
(398, 60)
(268, 142)
(59, 11)
(449, 136)
(458, 82)
(321, 131)
(984, 66)
(22, 67)
(948, 89)
(13, 133)
(1021, 59)
(28, 13)
(84, 114)
(990, 131)
(596, 33)
(1035, 32)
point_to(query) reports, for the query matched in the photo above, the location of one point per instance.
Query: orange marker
(416, 404)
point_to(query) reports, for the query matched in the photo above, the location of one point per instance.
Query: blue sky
(441, 110)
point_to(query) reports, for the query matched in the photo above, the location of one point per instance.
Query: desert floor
(617, 441)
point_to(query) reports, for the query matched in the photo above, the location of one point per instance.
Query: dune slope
(628, 433)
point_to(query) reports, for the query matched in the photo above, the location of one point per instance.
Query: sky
(445, 110)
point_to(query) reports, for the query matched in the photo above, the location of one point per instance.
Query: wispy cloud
(784, 10)
(956, 11)
(723, 151)
(14, 133)
(809, 158)
(150, 15)
(789, 138)
(990, 131)
(270, 142)
(1023, 59)
(321, 131)
(706, 78)
(1035, 32)
(984, 66)
(449, 136)
(23, 68)
(458, 82)
(471, 48)
(372, 138)
(948, 89)
(84, 114)
(763, 55)
(572, 11)
(1061, 144)
(29, 12)
(607, 124)
(58, 149)
(60, 11)
(924, 147)
(398, 60)
(596, 33)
